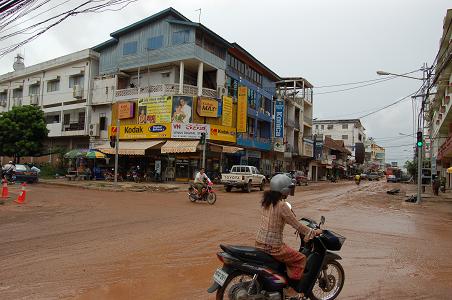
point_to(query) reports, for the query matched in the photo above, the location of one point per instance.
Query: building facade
(439, 114)
(62, 87)
(351, 131)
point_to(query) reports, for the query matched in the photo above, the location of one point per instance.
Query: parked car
(243, 177)
(392, 178)
(25, 174)
(299, 177)
(373, 176)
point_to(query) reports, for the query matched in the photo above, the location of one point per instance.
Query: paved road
(74, 243)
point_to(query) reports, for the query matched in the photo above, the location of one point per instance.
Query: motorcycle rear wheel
(233, 279)
(336, 276)
(211, 198)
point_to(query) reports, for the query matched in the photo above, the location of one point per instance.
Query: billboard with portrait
(182, 109)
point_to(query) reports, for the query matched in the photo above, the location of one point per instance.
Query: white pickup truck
(244, 177)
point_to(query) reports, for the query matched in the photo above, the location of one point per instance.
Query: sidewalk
(121, 187)
(411, 189)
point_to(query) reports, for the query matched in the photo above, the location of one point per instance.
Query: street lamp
(419, 142)
(384, 73)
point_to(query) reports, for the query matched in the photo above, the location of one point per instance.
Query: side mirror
(322, 220)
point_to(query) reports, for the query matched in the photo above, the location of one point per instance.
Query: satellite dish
(18, 63)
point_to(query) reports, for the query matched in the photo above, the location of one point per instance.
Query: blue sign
(279, 119)
(157, 128)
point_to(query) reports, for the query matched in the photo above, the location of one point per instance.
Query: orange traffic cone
(5, 193)
(21, 197)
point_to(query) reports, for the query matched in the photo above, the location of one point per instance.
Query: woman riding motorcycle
(275, 214)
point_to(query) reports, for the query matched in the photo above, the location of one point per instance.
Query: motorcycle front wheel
(328, 288)
(211, 198)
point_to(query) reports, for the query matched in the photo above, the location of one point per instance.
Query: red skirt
(295, 261)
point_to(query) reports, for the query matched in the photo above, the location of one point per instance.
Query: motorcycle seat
(254, 255)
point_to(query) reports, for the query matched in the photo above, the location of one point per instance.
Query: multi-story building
(62, 88)
(331, 158)
(295, 94)
(439, 114)
(378, 156)
(351, 131)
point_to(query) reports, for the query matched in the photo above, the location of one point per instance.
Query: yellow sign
(242, 109)
(207, 107)
(222, 133)
(227, 111)
(155, 109)
(126, 110)
(144, 131)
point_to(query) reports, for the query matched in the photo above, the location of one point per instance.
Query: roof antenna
(199, 17)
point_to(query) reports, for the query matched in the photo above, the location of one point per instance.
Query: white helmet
(283, 184)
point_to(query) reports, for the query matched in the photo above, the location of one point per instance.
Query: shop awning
(130, 147)
(179, 146)
(223, 148)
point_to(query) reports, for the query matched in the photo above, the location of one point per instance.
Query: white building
(62, 87)
(351, 131)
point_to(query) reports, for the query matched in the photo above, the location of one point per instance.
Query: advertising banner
(242, 109)
(279, 145)
(155, 109)
(279, 119)
(223, 133)
(189, 131)
(126, 110)
(182, 109)
(144, 131)
(207, 107)
(227, 111)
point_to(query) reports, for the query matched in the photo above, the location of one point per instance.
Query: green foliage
(22, 131)
(49, 171)
(411, 167)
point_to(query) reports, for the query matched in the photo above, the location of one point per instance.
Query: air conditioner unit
(34, 99)
(94, 129)
(77, 91)
(221, 91)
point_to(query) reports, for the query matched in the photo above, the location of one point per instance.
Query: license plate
(220, 276)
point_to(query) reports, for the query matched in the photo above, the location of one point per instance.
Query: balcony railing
(163, 89)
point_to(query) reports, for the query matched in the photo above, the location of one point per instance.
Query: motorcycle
(250, 274)
(207, 194)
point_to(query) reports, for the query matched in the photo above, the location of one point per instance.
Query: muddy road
(71, 243)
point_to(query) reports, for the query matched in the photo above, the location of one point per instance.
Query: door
(256, 179)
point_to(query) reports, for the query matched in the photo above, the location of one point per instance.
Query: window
(323, 127)
(251, 126)
(102, 121)
(345, 137)
(330, 126)
(129, 48)
(76, 80)
(52, 119)
(33, 90)
(66, 119)
(316, 126)
(3, 96)
(360, 137)
(155, 42)
(181, 37)
(17, 93)
(344, 126)
(328, 136)
(53, 86)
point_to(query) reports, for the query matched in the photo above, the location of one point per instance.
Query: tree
(22, 132)
(411, 167)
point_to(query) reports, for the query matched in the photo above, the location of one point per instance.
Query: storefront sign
(242, 109)
(227, 112)
(207, 107)
(308, 149)
(279, 119)
(144, 131)
(155, 109)
(189, 131)
(182, 109)
(252, 153)
(279, 145)
(223, 133)
(126, 110)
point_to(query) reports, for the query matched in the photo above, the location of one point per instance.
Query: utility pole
(117, 151)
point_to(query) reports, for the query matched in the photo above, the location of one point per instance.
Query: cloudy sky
(326, 41)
